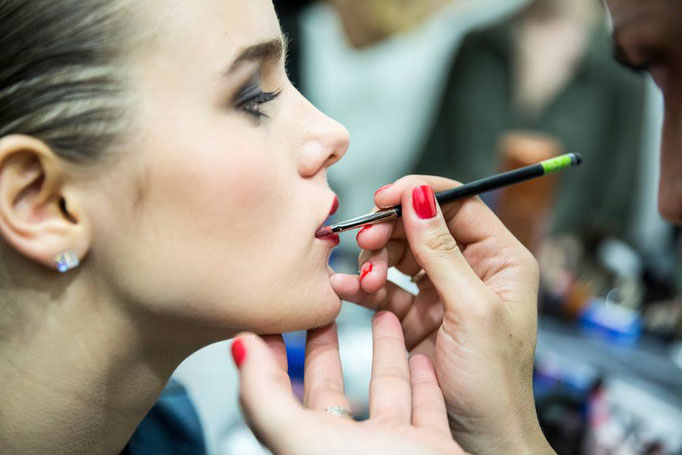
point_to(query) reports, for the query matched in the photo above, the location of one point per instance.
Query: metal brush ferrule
(364, 220)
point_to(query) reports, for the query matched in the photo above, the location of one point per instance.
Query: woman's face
(648, 35)
(210, 214)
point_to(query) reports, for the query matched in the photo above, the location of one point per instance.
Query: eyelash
(251, 97)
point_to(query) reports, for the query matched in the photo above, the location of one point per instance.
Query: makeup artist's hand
(407, 411)
(475, 313)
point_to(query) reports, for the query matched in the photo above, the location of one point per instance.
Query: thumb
(265, 391)
(436, 251)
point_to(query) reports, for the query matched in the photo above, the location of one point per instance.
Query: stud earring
(66, 261)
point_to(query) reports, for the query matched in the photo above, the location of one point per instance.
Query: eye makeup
(250, 97)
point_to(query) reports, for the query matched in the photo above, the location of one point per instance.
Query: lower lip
(334, 238)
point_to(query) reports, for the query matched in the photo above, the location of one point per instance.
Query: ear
(40, 209)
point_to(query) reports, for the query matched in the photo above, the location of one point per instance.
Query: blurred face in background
(648, 36)
(379, 19)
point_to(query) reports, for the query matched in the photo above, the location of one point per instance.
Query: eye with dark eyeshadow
(251, 96)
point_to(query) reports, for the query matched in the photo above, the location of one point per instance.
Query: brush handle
(498, 181)
(470, 189)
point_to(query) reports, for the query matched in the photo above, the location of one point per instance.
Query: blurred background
(467, 88)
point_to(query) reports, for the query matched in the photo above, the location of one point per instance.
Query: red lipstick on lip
(324, 233)
(335, 206)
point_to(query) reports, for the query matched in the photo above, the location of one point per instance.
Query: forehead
(223, 24)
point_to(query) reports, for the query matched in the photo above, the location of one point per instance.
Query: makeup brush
(470, 189)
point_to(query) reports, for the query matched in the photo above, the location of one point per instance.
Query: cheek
(222, 192)
(241, 188)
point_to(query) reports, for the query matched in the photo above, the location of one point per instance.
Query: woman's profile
(161, 187)
(161, 184)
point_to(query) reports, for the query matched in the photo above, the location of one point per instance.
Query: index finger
(470, 220)
(486, 243)
(323, 375)
(390, 393)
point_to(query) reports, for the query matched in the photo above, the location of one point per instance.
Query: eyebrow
(272, 50)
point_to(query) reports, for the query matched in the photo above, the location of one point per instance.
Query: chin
(320, 313)
(670, 191)
(671, 209)
(301, 314)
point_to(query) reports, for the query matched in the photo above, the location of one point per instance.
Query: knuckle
(434, 317)
(422, 379)
(389, 413)
(329, 384)
(533, 265)
(321, 343)
(441, 242)
(392, 373)
(363, 257)
(431, 405)
(489, 310)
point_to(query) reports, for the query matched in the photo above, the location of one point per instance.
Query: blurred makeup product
(526, 209)
(470, 189)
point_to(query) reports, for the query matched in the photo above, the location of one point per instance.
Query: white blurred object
(619, 258)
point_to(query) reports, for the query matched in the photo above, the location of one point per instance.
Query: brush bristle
(324, 231)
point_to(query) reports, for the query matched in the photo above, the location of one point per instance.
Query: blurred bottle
(526, 208)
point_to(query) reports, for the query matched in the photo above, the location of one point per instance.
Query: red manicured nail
(383, 188)
(238, 352)
(335, 206)
(366, 268)
(365, 228)
(424, 202)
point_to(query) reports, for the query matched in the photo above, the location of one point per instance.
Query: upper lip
(334, 207)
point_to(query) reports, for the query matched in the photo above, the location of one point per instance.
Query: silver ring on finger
(339, 411)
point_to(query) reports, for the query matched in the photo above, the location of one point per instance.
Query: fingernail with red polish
(366, 268)
(424, 202)
(383, 188)
(238, 352)
(364, 229)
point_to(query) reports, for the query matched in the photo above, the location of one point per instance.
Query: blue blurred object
(613, 323)
(295, 343)
(171, 427)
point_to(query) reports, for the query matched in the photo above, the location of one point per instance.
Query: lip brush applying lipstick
(475, 188)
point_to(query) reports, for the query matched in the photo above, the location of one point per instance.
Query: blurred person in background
(547, 70)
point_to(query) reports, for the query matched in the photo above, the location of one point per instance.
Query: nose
(325, 142)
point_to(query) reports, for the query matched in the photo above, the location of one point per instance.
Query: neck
(562, 10)
(79, 371)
